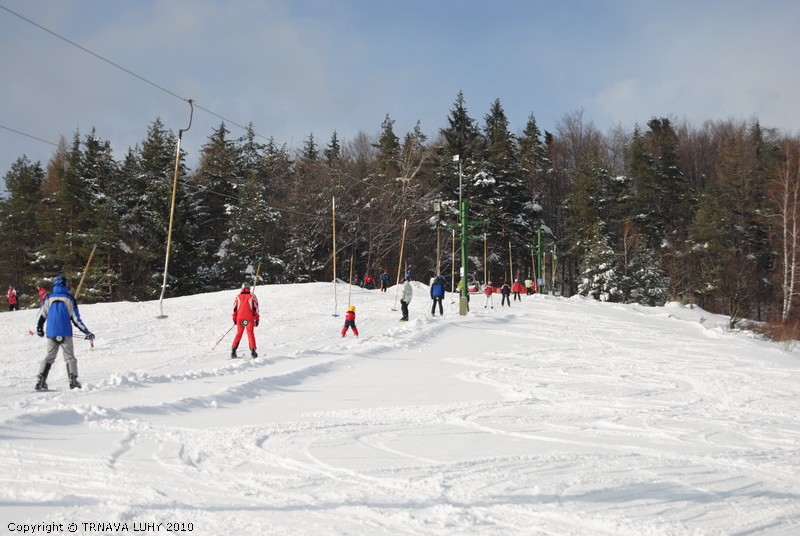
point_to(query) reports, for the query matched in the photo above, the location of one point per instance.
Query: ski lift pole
(255, 277)
(350, 287)
(172, 210)
(335, 302)
(400, 265)
(453, 269)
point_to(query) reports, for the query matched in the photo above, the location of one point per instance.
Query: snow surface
(555, 417)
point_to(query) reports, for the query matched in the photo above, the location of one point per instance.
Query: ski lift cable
(127, 71)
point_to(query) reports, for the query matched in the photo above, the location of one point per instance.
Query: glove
(40, 331)
(256, 322)
(89, 336)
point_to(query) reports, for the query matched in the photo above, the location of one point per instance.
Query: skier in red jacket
(11, 298)
(516, 288)
(245, 316)
(489, 291)
(350, 321)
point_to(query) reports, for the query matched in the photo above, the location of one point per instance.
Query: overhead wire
(120, 67)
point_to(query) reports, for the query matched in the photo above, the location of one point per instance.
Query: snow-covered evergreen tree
(599, 276)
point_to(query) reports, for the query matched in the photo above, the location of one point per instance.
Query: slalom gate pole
(335, 302)
(510, 264)
(400, 265)
(225, 335)
(172, 209)
(485, 264)
(350, 286)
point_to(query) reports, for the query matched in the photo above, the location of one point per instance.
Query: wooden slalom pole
(350, 286)
(400, 265)
(510, 264)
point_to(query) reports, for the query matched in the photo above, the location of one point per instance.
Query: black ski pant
(404, 308)
(506, 299)
(433, 307)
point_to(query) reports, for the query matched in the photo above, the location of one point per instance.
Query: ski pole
(225, 335)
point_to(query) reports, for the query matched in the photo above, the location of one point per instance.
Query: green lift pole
(539, 259)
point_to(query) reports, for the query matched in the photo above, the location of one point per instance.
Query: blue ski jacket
(60, 310)
(437, 288)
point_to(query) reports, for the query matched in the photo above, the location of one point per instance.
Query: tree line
(662, 212)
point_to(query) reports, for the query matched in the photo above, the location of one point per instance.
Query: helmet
(352, 308)
(60, 280)
(246, 286)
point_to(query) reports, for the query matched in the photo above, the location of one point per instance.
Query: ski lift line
(28, 135)
(196, 188)
(128, 71)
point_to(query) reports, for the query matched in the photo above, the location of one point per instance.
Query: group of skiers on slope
(12, 297)
(368, 282)
(59, 311)
(506, 291)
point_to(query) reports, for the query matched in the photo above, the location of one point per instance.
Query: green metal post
(463, 304)
(539, 258)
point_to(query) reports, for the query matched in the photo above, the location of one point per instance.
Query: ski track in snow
(554, 416)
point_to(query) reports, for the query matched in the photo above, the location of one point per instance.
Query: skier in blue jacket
(437, 294)
(60, 310)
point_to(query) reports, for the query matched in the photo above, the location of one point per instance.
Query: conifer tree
(499, 194)
(218, 179)
(599, 277)
(20, 237)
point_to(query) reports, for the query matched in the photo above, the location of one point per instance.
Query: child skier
(350, 321)
(489, 291)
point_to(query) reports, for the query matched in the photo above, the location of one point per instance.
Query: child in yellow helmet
(350, 321)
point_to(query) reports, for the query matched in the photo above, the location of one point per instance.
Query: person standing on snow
(489, 291)
(245, 317)
(350, 321)
(42, 292)
(405, 299)
(384, 281)
(11, 298)
(516, 288)
(505, 290)
(437, 294)
(60, 311)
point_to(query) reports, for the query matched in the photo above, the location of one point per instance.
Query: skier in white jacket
(405, 299)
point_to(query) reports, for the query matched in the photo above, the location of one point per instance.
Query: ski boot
(233, 353)
(253, 354)
(73, 382)
(41, 379)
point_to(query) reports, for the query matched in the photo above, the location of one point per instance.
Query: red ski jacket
(516, 287)
(245, 307)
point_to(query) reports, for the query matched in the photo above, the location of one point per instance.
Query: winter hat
(60, 280)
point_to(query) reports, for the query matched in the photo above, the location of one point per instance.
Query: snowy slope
(555, 416)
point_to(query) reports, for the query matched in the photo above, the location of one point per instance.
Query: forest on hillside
(660, 212)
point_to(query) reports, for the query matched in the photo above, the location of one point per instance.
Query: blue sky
(296, 67)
